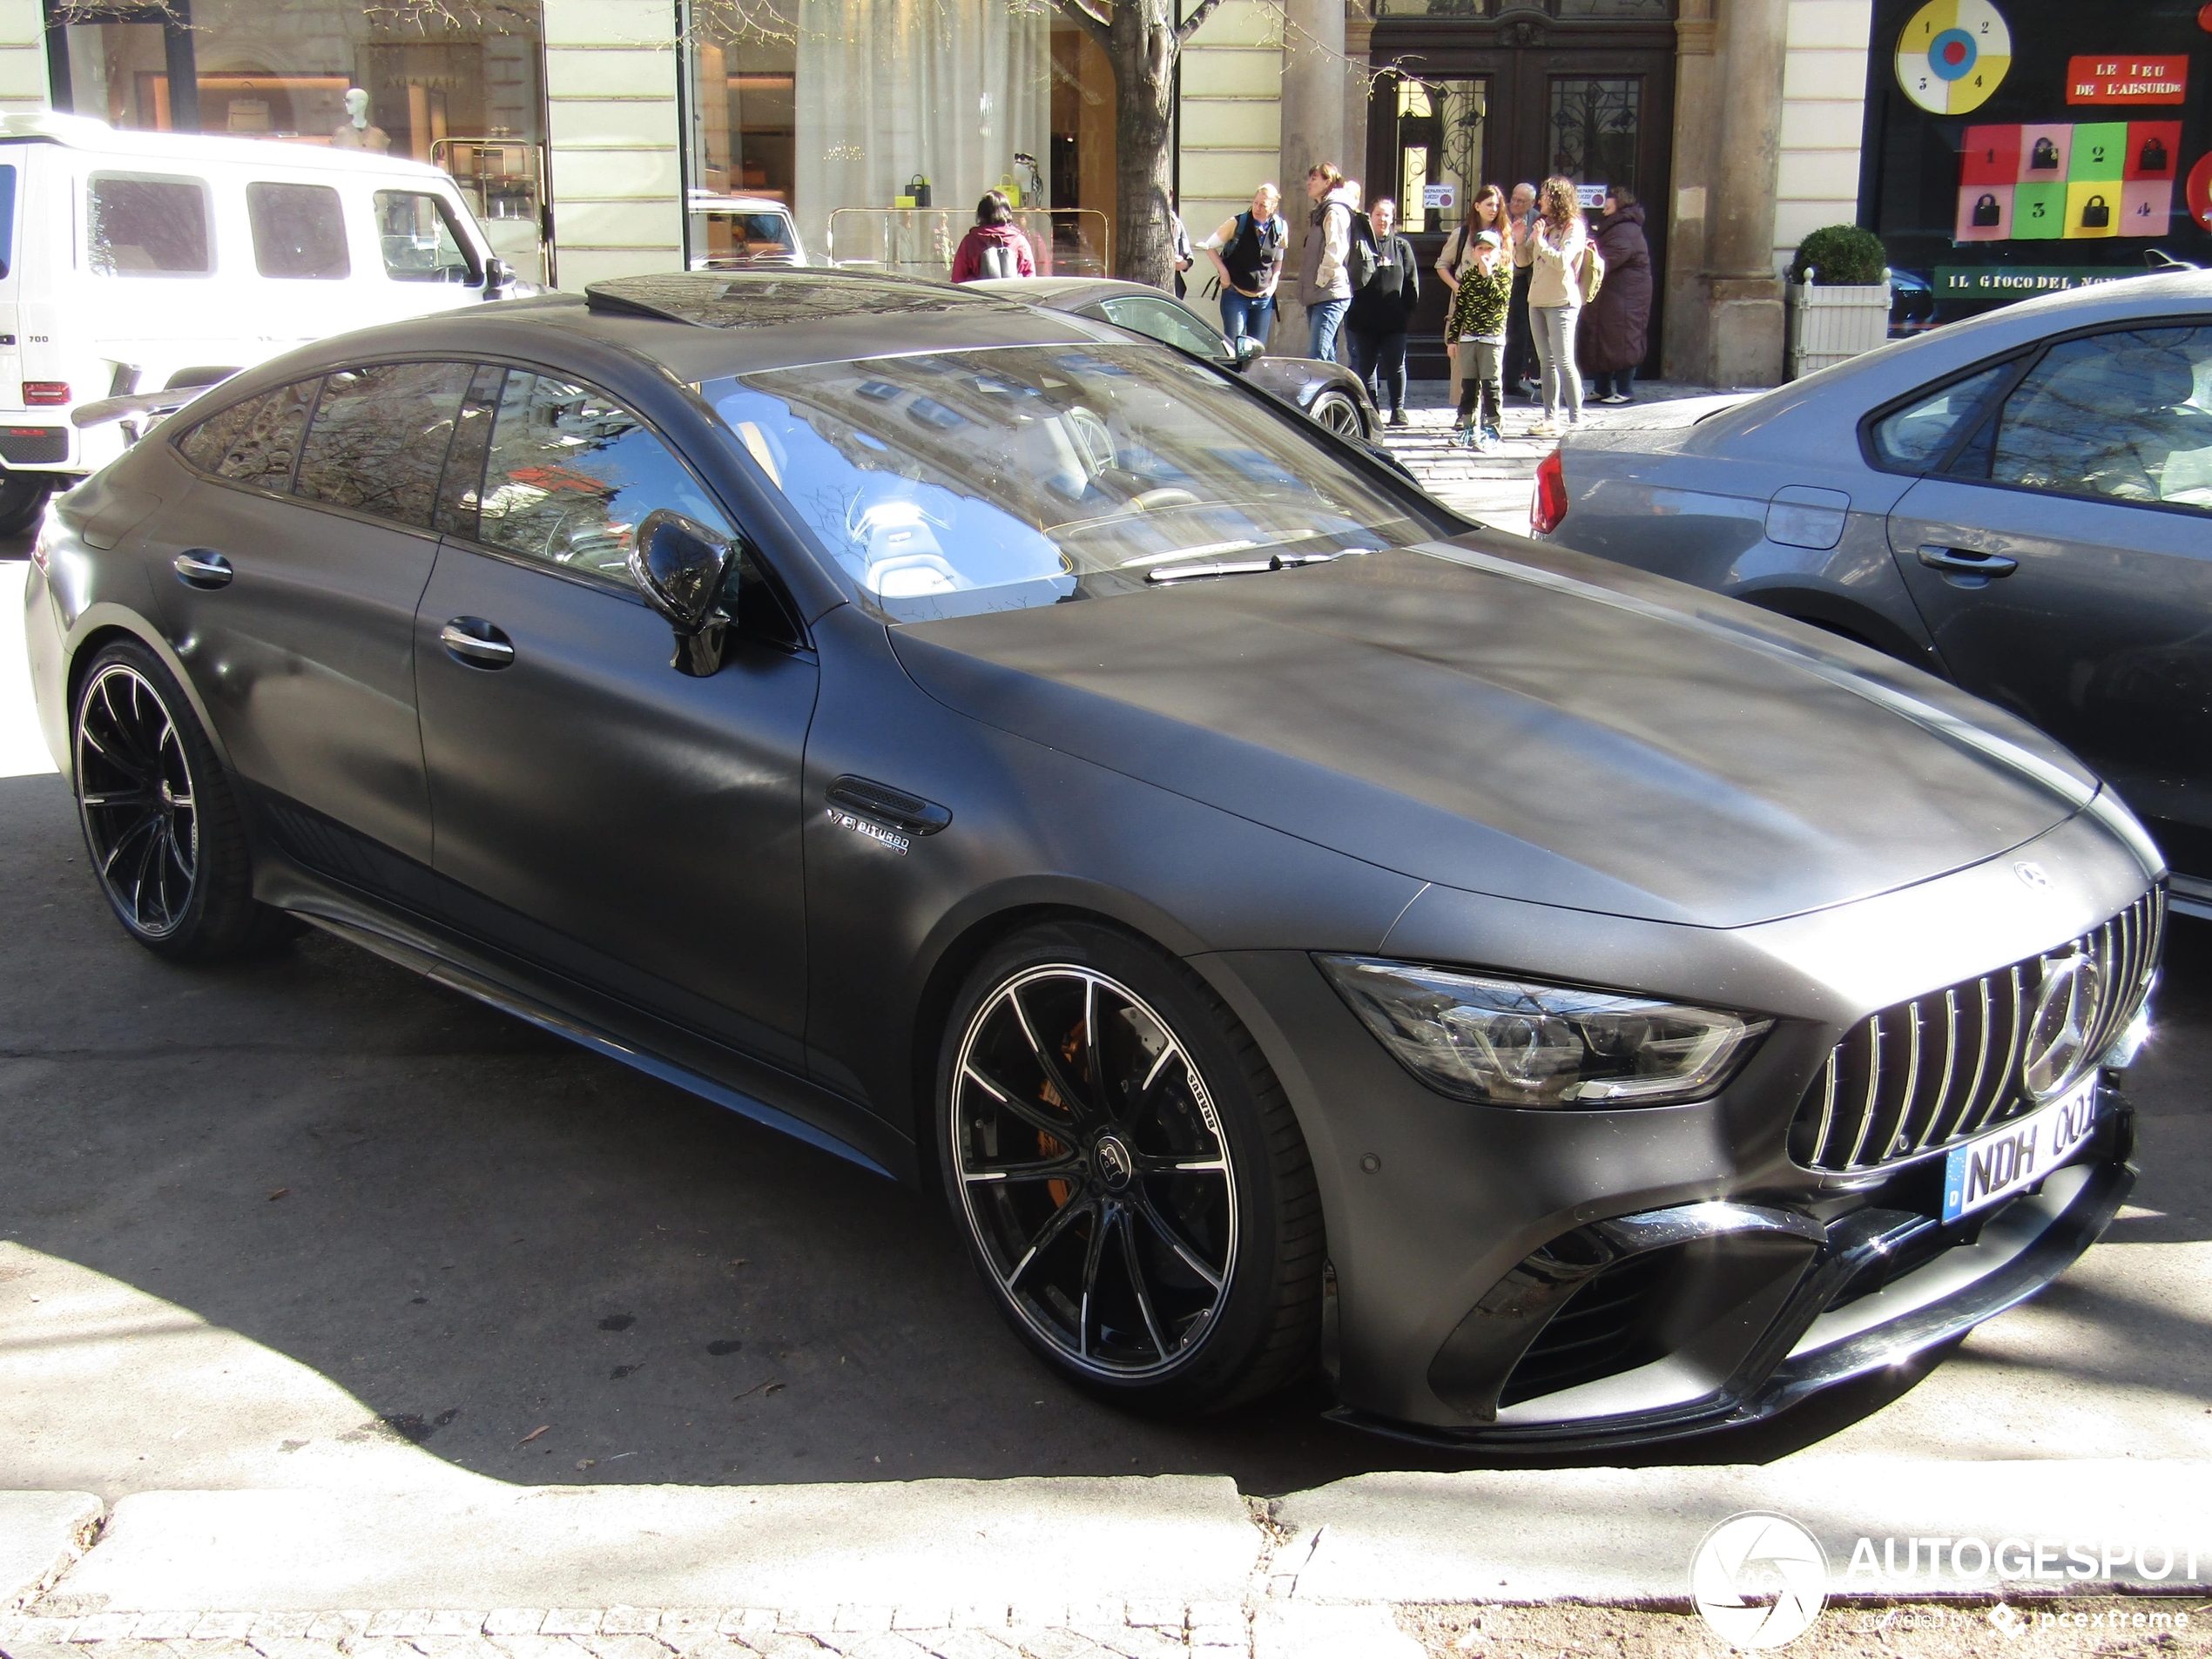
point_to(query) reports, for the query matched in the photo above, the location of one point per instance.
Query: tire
(1159, 1245)
(161, 820)
(22, 498)
(1339, 415)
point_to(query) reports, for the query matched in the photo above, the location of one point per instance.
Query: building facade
(590, 134)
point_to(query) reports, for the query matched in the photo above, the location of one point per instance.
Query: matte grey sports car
(1329, 391)
(1294, 927)
(2022, 503)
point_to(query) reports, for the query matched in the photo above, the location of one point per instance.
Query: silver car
(2022, 503)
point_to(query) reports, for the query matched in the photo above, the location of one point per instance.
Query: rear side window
(421, 241)
(138, 225)
(2121, 416)
(253, 443)
(1918, 436)
(299, 230)
(7, 218)
(379, 438)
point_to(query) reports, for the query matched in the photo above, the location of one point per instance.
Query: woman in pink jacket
(994, 245)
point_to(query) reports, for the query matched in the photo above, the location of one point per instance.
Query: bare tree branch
(1097, 27)
(1192, 24)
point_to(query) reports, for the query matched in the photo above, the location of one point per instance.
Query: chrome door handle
(1953, 560)
(476, 642)
(200, 569)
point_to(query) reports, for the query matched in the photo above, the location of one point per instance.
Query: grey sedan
(1329, 391)
(2018, 502)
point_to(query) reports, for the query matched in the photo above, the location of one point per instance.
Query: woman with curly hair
(1555, 246)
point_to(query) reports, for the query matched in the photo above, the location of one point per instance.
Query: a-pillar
(1313, 98)
(1742, 310)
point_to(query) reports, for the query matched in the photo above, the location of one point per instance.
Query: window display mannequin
(354, 131)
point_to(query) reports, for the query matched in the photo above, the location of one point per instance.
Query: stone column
(1358, 50)
(616, 189)
(1744, 296)
(23, 57)
(1313, 76)
(1684, 343)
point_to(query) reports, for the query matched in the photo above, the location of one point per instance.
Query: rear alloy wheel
(159, 819)
(1132, 1183)
(1339, 414)
(23, 499)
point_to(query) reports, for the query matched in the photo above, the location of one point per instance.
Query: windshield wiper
(1248, 566)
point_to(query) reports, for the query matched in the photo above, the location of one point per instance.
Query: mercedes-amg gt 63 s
(1297, 927)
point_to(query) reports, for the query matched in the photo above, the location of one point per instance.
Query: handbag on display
(2152, 158)
(918, 188)
(2045, 156)
(1985, 212)
(1008, 189)
(2096, 214)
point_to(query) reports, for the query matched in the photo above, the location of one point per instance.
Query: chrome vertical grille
(1921, 1074)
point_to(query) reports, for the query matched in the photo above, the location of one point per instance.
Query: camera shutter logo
(1759, 1580)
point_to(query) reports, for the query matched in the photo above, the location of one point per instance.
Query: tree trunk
(1144, 53)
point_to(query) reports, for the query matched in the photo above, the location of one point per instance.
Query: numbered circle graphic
(1759, 1581)
(1952, 55)
(2198, 191)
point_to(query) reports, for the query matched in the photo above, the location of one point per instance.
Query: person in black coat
(1381, 309)
(1616, 331)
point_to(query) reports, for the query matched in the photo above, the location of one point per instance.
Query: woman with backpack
(1248, 252)
(1558, 250)
(994, 245)
(1614, 331)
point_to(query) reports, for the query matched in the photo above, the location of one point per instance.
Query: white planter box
(1829, 325)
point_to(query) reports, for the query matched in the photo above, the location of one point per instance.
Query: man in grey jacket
(1324, 286)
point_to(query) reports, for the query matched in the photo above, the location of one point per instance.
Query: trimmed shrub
(1840, 256)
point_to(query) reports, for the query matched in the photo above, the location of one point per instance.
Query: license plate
(2011, 1159)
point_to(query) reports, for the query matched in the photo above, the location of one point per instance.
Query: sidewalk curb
(42, 1534)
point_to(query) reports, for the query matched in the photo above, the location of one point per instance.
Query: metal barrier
(921, 241)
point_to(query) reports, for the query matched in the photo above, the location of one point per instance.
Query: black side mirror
(497, 275)
(681, 567)
(1247, 351)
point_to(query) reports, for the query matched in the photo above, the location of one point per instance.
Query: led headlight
(1507, 1043)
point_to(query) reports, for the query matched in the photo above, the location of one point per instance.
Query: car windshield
(993, 480)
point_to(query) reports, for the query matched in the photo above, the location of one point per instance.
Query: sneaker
(1461, 438)
(1398, 416)
(1615, 397)
(1546, 428)
(1493, 437)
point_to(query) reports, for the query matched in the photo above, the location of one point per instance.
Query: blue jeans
(1241, 314)
(1322, 322)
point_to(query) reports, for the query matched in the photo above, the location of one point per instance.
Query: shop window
(299, 230)
(416, 231)
(379, 436)
(147, 227)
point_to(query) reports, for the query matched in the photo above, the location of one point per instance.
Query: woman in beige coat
(1555, 246)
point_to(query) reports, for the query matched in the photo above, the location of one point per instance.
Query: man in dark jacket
(1615, 329)
(1521, 343)
(1381, 309)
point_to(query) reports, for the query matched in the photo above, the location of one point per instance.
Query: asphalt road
(397, 1207)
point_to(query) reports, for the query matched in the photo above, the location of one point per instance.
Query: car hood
(1545, 726)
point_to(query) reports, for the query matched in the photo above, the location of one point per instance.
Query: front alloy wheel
(1339, 414)
(1103, 1119)
(134, 787)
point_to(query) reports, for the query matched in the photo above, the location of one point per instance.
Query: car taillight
(45, 392)
(1548, 510)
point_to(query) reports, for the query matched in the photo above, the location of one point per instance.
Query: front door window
(1440, 150)
(1596, 123)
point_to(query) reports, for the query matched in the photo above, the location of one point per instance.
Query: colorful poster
(2128, 80)
(1952, 55)
(2065, 181)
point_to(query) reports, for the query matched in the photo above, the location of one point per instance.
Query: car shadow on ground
(475, 1229)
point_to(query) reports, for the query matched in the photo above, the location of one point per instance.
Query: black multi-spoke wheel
(159, 819)
(1339, 414)
(1131, 1183)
